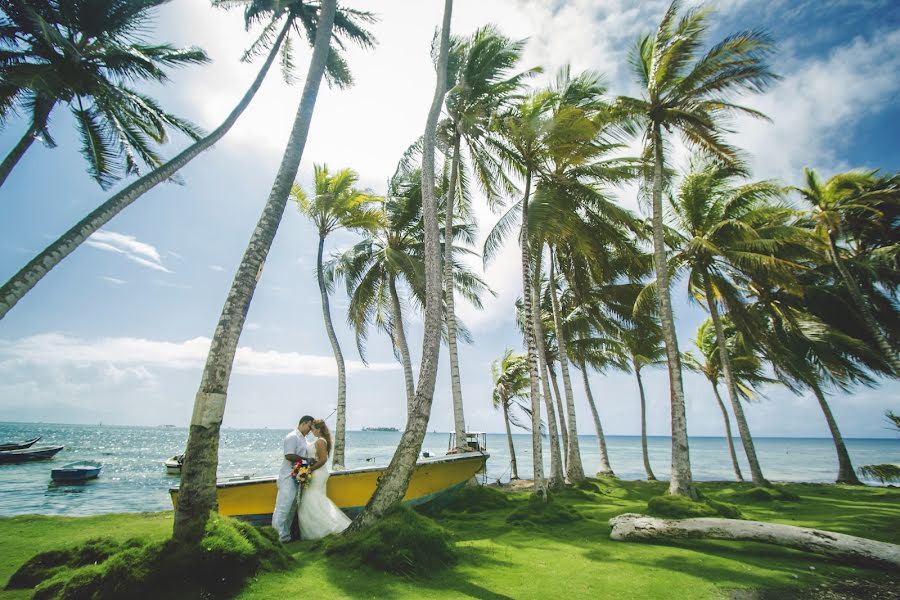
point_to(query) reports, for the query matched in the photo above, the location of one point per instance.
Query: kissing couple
(317, 515)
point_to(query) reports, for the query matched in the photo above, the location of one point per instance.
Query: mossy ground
(575, 559)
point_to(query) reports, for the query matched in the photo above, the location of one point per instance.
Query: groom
(295, 450)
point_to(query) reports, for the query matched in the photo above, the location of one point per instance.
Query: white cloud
(217, 268)
(57, 349)
(114, 280)
(140, 252)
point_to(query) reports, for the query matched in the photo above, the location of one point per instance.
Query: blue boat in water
(77, 471)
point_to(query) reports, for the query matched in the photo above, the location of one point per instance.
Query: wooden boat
(29, 454)
(433, 479)
(174, 464)
(76, 471)
(18, 445)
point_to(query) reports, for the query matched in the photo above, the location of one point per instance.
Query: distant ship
(380, 429)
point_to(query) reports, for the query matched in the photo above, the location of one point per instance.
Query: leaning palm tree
(335, 204)
(691, 93)
(289, 18)
(395, 481)
(746, 370)
(481, 82)
(86, 56)
(510, 376)
(198, 478)
(725, 228)
(834, 206)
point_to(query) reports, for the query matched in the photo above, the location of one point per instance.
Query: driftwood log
(634, 527)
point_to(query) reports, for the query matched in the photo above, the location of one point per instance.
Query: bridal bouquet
(301, 473)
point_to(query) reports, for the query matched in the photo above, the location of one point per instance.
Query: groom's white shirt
(294, 443)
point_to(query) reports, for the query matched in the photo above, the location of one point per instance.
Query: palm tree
(86, 56)
(295, 15)
(837, 208)
(690, 93)
(643, 342)
(885, 473)
(510, 376)
(198, 478)
(543, 333)
(335, 204)
(481, 83)
(724, 230)
(520, 145)
(395, 481)
(392, 253)
(746, 370)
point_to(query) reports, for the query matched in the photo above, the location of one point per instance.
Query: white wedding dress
(318, 516)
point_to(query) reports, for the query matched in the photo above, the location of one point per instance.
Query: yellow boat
(350, 489)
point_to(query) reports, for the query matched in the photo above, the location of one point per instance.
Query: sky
(118, 333)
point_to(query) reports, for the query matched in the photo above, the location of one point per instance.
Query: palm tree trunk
(574, 468)
(399, 335)
(197, 497)
(393, 484)
(29, 275)
(340, 426)
(41, 114)
(559, 409)
(646, 454)
(459, 417)
(681, 483)
(605, 469)
(514, 468)
(865, 310)
(743, 428)
(734, 460)
(540, 485)
(846, 474)
(557, 474)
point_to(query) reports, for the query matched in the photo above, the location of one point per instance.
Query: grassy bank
(525, 560)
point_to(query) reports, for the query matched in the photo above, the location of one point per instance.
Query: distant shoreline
(375, 430)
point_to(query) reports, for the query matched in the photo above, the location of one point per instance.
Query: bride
(319, 516)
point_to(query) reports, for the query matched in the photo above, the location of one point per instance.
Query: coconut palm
(746, 370)
(289, 17)
(510, 376)
(808, 353)
(643, 341)
(390, 257)
(481, 81)
(725, 228)
(198, 478)
(393, 484)
(335, 203)
(691, 93)
(520, 145)
(86, 56)
(839, 207)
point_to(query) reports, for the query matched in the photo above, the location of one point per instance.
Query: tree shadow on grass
(363, 581)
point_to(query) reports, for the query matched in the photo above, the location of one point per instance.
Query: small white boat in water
(174, 464)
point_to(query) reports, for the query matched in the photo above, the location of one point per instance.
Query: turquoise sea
(134, 478)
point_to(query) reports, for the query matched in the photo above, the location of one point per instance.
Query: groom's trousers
(285, 507)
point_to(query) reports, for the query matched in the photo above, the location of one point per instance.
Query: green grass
(497, 560)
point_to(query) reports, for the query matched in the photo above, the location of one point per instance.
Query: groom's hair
(305, 419)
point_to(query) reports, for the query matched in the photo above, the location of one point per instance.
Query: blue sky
(117, 332)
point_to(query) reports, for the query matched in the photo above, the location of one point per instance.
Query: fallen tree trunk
(634, 527)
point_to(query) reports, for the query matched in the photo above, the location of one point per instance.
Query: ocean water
(134, 478)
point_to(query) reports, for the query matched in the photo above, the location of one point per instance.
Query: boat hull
(18, 445)
(75, 472)
(29, 454)
(254, 499)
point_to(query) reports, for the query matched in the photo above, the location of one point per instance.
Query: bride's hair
(320, 426)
